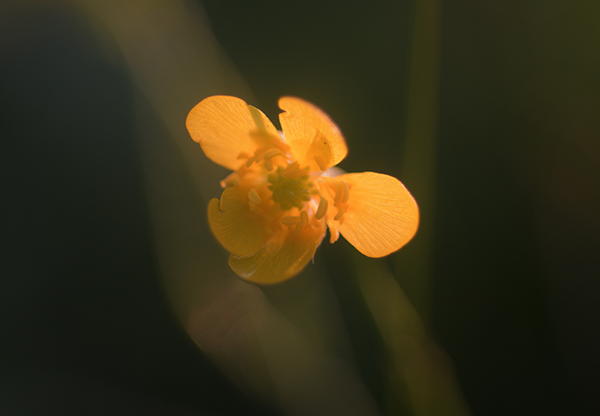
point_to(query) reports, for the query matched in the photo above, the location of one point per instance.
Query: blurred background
(117, 300)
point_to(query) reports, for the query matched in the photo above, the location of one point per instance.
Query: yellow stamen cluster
(292, 188)
(340, 193)
(264, 155)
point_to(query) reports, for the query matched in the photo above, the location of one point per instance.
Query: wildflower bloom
(283, 194)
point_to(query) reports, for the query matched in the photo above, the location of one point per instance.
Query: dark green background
(85, 326)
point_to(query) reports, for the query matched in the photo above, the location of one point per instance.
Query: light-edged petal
(240, 231)
(279, 260)
(227, 126)
(313, 137)
(381, 214)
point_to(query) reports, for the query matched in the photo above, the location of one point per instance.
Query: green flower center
(290, 186)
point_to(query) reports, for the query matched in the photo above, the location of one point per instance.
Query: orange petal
(313, 137)
(381, 215)
(279, 260)
(227, 126)
(237, 229)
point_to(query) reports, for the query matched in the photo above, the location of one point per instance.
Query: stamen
(340, 214)
(334, 234)
(291, 220)
(346, 191)
(320, 162)
(303, 219)
(254, 197)
(339, 194)
(232, 180)
(272, 153)
(322, 210)
(243, 155)
(290, 169)
(250, 161)
(268, 164)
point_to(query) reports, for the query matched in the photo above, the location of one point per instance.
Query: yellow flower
(283, 194)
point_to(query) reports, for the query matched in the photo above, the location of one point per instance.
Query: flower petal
(240, 231)
(381, 214)
(279, 260)
(227, 126)
(313, 137)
